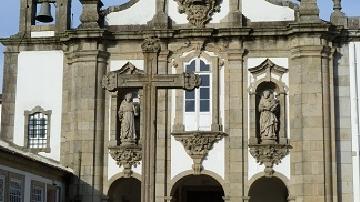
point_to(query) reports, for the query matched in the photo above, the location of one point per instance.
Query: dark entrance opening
(125, 190)
(269, 190)
(197, 188)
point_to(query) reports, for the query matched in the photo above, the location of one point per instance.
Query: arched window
(197, 103)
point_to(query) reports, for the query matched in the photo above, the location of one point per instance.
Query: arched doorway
(197, 188)
(125, 190)
(269, 190)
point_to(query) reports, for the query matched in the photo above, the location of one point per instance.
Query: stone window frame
(17, 177)
(37, 184)
(216, 64)
(37, 109)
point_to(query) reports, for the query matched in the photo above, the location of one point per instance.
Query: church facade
(182, 101)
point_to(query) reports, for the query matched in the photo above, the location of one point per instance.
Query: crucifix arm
(114, 81)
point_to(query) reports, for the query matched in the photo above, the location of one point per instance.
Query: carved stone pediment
(268, 67)
(198, 144)
(127, 155)
(110, 80)
(269, 155)
(199, 12)
(268, 71)
(129, 68)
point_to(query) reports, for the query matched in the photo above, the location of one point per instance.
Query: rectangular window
(37, 193)
(190, 101)
(15, 190)
(2, 188)
(38, 131)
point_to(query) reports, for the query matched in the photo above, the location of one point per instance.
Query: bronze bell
(45, 12)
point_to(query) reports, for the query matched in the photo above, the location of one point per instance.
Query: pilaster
(310, 118)
(236, 143)
(83, 117)
(9, 93)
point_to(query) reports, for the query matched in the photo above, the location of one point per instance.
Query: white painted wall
(139, 13)
(113, 168)
(255, 10)
(284, 166)
(263, 11)
(29, 177)
(355, 115)
(41, 34)
(40, 76)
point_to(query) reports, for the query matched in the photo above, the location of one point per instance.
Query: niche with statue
(268, 142)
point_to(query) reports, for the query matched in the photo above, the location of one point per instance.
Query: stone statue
(127, 112)
(269, 122)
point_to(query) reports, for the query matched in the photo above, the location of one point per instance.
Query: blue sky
(9, 16)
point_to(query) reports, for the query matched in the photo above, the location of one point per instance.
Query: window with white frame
(37, 192)
(197, 103)
(15, 190)
(2, 188)
(37, 129)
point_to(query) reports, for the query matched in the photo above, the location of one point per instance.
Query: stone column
(215, 100)
(235, 124)
(63, 15)
(337, 16)
(309, 11)
(163, 133)
(161, 18)
(8, 93)
(83, 112)
(235, 17)
(90, 14)
(27, 15)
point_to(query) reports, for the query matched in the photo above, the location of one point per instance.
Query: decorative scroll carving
(109, 82)
(269, 154)
(191, 81)
(126, 156)
(197, 145)
(151, 45)
(199, 12)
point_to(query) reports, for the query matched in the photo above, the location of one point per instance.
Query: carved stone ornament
(197, 145)
(191, 81)
(127, 156)
(199, 12)
(151, 45)
(110, 80)
(269, 154)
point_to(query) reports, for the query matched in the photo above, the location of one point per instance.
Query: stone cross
(149, 81)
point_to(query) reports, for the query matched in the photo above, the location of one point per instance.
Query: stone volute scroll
(268, 142)
(199, 12)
